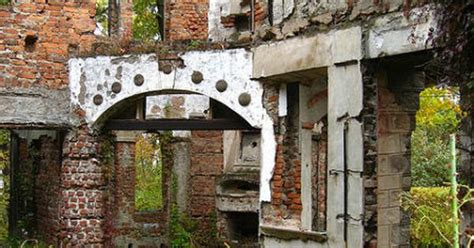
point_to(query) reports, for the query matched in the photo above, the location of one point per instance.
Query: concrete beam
(35, 107)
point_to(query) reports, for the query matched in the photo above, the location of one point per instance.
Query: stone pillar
(82, 195)
(398, 97)
(181, 165)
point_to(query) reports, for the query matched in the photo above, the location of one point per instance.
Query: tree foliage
(145, 20)
(148, 182)
(4, 193)
(452, 63)
(439, 115)
(431, 223)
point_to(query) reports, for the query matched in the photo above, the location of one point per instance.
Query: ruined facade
(301, 136)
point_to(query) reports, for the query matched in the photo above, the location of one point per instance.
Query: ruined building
(290, 120)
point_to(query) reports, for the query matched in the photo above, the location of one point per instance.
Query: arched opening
(175, 153)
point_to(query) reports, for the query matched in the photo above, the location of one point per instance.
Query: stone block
(383, 236)
(388, 216)
(390, 182)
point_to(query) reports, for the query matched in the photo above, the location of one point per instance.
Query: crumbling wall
(37, 38)
(398, 97)
(207, 162)
(82, 190)
(125, 225)
(186, 19)
(47, 189)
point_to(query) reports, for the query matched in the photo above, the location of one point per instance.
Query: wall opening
(243, 228)
(148, 173)
(186, 168)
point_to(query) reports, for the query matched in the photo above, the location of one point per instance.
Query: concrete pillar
(345, 148)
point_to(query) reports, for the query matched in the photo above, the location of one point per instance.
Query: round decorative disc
(221, 85)
(98, 99)
(116, 87)
(244, 99)
(197, 77)
(138, 80)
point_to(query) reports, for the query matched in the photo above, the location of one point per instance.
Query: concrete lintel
(35, 107)
(397, 33)
(306, 53)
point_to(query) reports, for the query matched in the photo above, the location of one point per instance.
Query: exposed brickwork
(260, 16)
(122, 219)
(37, 37)
(120, 19)
(207, 162)
(370, 153)
(286, 181)
(82, 182)
(186, 19)
(319, 170)
(47, 189)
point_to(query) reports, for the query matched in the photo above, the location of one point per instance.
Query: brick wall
(123, 222)
(37, 37)
(186, 19)
(47, 189)
(286, 181)
(207, 162)
(82, 190)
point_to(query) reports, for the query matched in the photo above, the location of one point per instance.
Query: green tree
(146, 15)
(439, 115)
(145, 20)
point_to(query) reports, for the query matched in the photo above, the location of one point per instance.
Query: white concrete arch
(93, 78)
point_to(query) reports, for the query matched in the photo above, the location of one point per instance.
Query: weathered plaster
(218, 9)
(396, 33)
(345, 103)
(282, 9)
(96, 76)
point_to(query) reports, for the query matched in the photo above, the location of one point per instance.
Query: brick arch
(94, 84)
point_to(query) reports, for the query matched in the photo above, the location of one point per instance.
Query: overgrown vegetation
(146, 17)
(4, 181)
(145, 20)
(453, 60)
(148, 169)
(431, 223)
(101, 16)
(439, 115)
